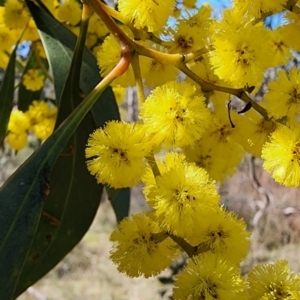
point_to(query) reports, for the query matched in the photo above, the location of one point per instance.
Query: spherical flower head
(116, 154)
(219, 151)
(192, 31)
(39, 110)
(281, 50)
(16, 15)
(281, 156)
(31, 33)
(258, 7)
(17, 141)
(223, 233)
(175, 114)
(273, 281)
(257, 131)
(149, 14)
(97, 26)
(43, 129)
(157, 73)
(180, 196)
(69, 12)
(7, 38)
(33, 80)
(242, 56)
(108, 57)
(19, 122)
(209, 277)
(141, 248)
(291, 25)
(283, 95)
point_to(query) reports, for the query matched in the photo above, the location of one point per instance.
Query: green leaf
(120, 201)
(58, 39)
(2, 2)
(21, 200)
(74, 194)
(7, 95)
(25, 97)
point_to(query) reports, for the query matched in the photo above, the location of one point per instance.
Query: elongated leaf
(58, 39)
(66, 215)
(7, 95)
(22, 195)
(25, 97)
(120, 201)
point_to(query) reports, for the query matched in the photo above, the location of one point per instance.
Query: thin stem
(160, 237)
(208, 87)
(167, 58)
(189, 250)
(116, 31)
(152, 162)
(138, 78)
(114, 14)
(196, 54)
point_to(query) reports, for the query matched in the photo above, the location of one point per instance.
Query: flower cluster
(39, 118)
(187, 138)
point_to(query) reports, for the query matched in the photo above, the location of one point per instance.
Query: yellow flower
(152, 14)
(281, 156)
(97, 26)
(42, 118)
(16, 15)
(108, 57)
(39, 110)
(156, 72)
(192, 32)
(273, 281)
(180, 195)
(18, 122)
(141, 248)
(208, 277)
(33, 79)
(258, 7)
(17, 141)
(283, 95)
(17, 128)
(256, 131)
(241, 56)
(223, 233)
(7, 38)
(31, 33)
(44, 128)
(219, 151)
(175, 114)
(281, 51)
(117, 154)
(69, 11)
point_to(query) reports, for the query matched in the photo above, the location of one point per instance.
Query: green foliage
(7, 94)
(49, 203)
(25, 97)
